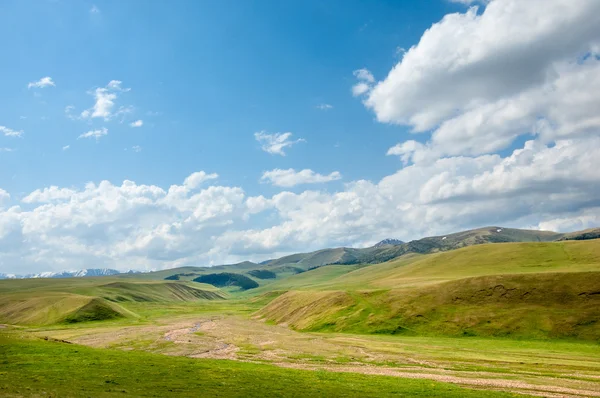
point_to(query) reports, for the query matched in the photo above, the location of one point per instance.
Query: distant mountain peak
(66, 274)
(389, 242)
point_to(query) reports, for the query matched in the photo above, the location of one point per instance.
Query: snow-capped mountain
(389, 242)
(95, 272)
(69, 274)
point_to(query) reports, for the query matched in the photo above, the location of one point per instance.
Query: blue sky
(145, 134)
(204, 76)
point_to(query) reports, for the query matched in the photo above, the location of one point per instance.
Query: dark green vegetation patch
(225, 279)
(262, 274)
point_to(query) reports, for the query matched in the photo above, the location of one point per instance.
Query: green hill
(532, 290)
(50, 308)
(524, 306)
(46, 302)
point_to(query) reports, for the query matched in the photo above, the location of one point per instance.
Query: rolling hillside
(383, 251)
(532, 290)
(46, 302)
(525, 306)
(484, 282)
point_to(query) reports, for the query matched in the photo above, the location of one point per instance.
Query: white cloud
(6, 149)
(364, 75)
(137, 123)
(276, 143)
(136, 148)
(64, 148)
(42, 83)
(196, 179)
(324, 107)
(48, 195)
(365, 82)
(360, 89)
(574, 220)
(105, 98)
(131, 225)
(562, 107)
(97, 134)
(10, 132)
(469, 59)
(291, 177)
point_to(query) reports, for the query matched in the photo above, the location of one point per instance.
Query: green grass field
(43, 368)
(518, 317)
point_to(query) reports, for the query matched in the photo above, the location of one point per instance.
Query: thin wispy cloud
(42, 83)
(290, 177)
(64, 148)
(10, 132)
(97, 134)
(137, 123)
(277, 142)
(69, 112)
(324, 107)
(136, 148)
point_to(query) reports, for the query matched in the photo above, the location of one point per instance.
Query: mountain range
(70, 274)
(384, 250)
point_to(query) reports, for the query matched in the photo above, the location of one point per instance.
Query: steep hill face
(526, 306)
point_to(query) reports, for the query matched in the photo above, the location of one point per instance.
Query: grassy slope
(527, 306)
(50, 301)
(494, 259)
(528, 290)
(34, 368)
(52, 308)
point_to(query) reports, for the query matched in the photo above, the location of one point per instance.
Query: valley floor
(542, 368)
